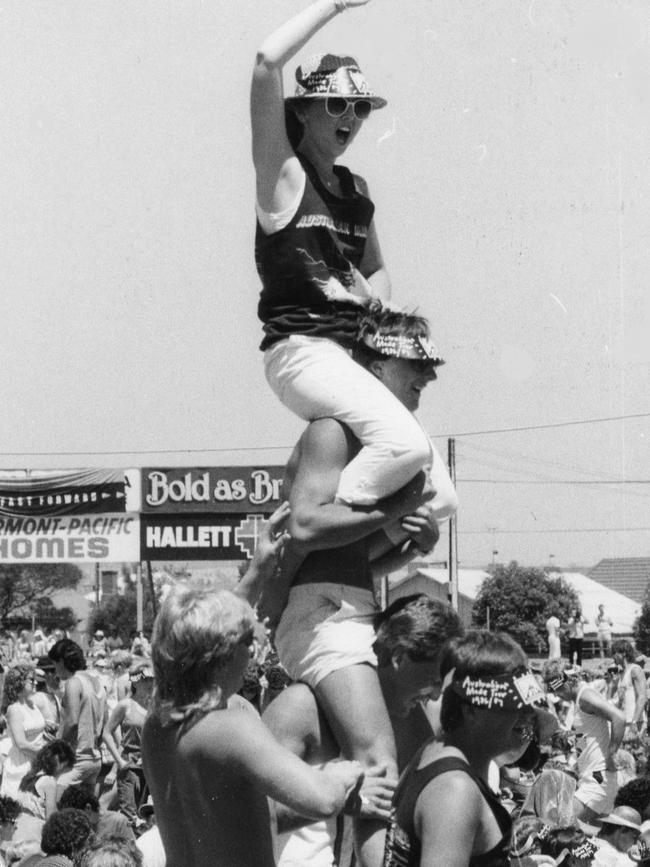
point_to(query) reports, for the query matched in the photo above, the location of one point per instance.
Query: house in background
(417, 577)
(627, 575)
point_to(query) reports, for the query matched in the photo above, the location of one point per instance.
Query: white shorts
(325, 627)
(599, 797)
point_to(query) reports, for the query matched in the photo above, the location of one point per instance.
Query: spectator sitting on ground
(111, 852)
(9, 811)
(635, 794)
(618, 832)
(105, 823)
(65, 835)
(37, 792)
(568, 846)
(526, 837)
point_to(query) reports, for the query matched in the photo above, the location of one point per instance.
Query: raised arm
(277, 168)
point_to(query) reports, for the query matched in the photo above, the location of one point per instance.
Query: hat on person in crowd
(330, 75)
(99, 633)
(640, 851)
(141, 670)
(628, 817)
(146, 810)
(100, 662)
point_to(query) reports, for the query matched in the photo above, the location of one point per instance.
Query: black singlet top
(402, 844)
(326, 237)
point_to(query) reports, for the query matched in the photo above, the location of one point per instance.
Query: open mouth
(343, 134)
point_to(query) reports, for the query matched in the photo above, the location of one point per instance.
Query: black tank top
(402, 844)
(326, 237)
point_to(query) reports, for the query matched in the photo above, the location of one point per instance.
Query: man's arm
(423, 531)
(317, 521)
(245, 743)
(269, 547)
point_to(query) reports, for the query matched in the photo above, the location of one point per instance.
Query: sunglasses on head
(336, 106)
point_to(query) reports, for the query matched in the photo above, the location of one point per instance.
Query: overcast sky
(511, 174)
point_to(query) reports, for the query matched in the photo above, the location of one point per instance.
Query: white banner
(109, 538)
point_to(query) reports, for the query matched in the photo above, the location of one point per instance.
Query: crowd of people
(389, 738)
(72, 790)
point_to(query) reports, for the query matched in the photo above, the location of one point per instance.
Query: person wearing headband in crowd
(318, 256)
(600, 727)
(325, 635)
(126, 722)
(444, 813)
(567, 847)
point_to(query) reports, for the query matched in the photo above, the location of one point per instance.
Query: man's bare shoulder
(226, 733)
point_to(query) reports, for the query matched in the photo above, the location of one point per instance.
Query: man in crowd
(325, 634)
(410, 635)
(600, 726)
(83, 714)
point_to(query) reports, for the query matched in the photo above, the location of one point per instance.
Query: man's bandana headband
(505, 692)
(560, 680)
(401, 346)
(143, 674)
(585, 850)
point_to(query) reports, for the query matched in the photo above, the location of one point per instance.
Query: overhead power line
(247, 449)
(474, 433)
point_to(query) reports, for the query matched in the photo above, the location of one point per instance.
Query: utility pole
(453, 534)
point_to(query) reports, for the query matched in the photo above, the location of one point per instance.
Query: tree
(120, 612)
(24, 587)
(520, 600)
(642, 625)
